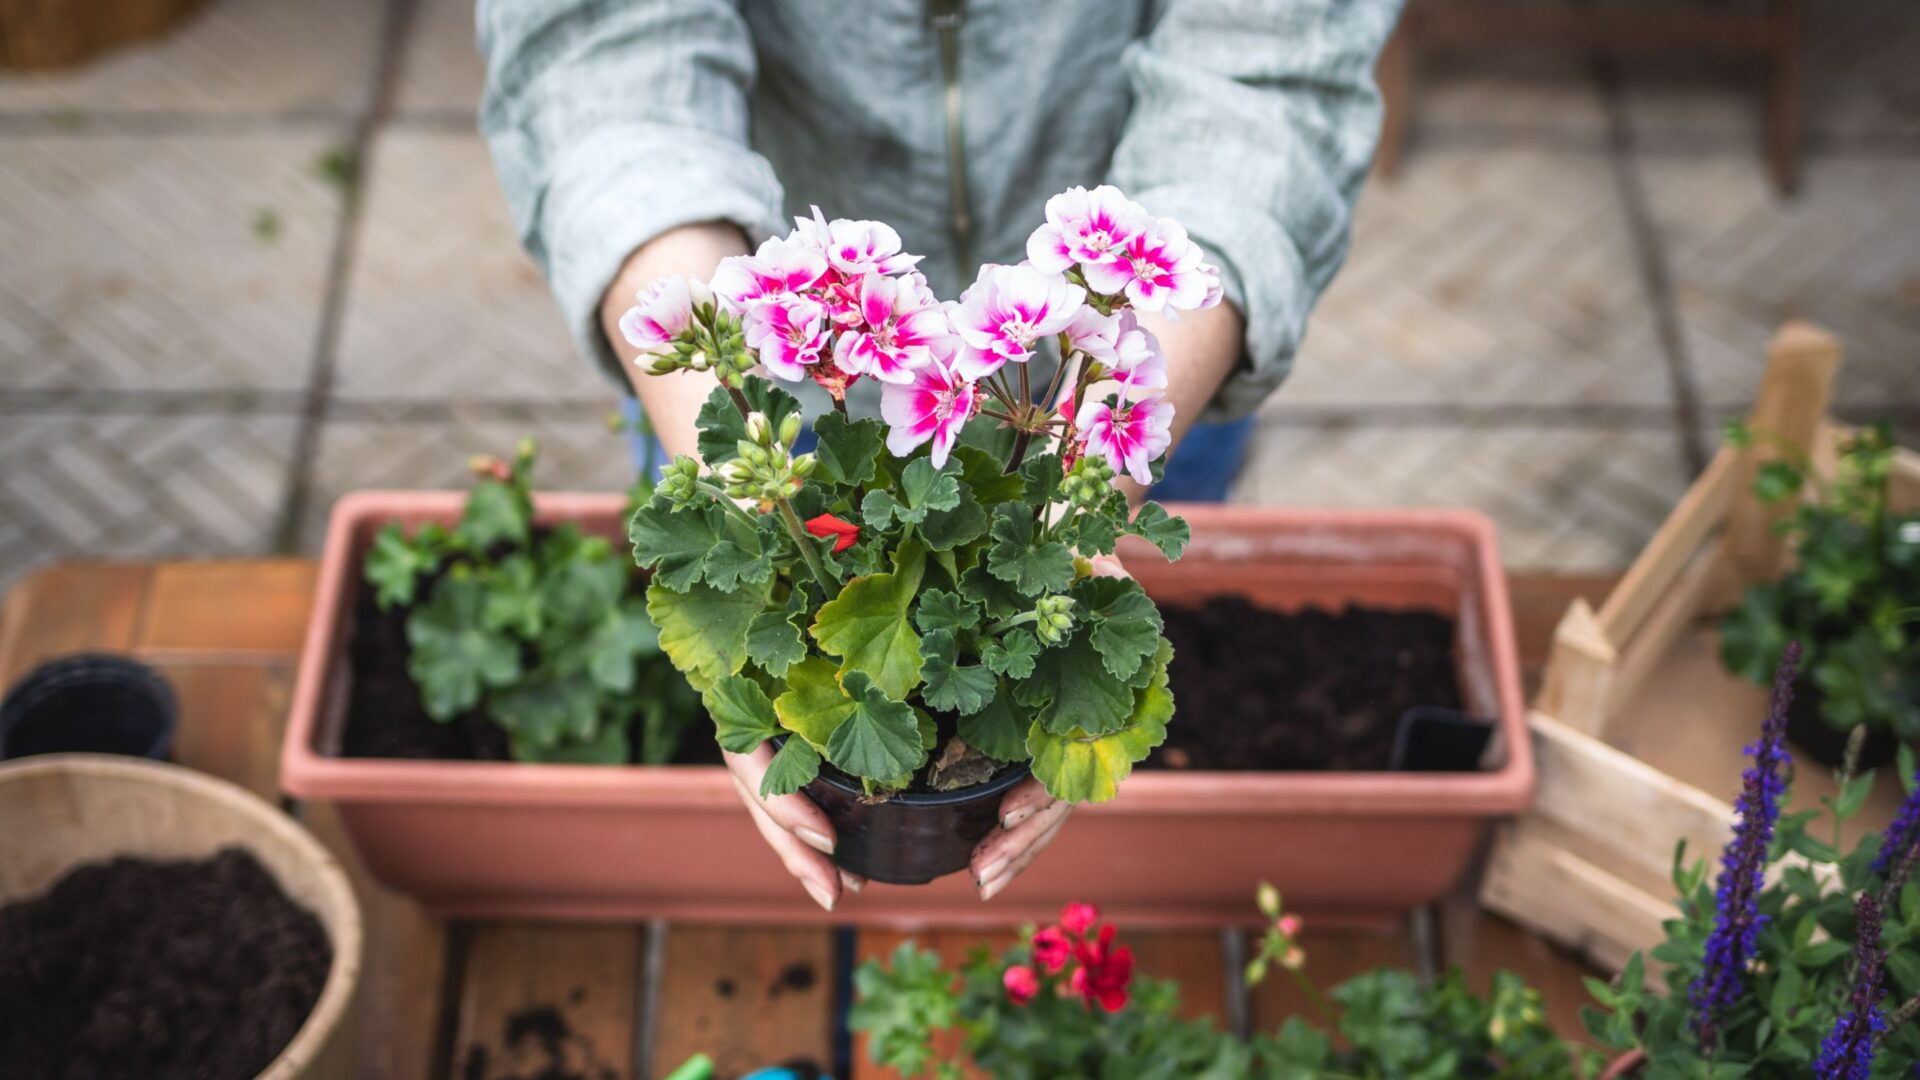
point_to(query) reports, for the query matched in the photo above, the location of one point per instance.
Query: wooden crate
(1638, 729)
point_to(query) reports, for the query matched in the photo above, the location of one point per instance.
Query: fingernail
(852, 881)
(819, 893)
(1017, 817)
(993, 886)
(814, 840)
(993, 870)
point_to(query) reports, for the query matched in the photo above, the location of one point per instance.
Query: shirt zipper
(946, 18)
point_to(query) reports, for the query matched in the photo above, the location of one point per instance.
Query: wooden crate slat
(71, 607)
(749, 997)
(1532, 877)
(1792, 404)
(537, 997)
(244, 606)
(1697, 516)
(231, 719)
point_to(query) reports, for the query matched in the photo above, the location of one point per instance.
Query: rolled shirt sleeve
(1253, 125)
(611, 123)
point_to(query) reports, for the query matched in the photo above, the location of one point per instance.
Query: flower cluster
(1743, 864)
(1848, 1052)
(838, 301)
(1902, 838)
(1100, 971)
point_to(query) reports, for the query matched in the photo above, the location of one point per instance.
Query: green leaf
(581, 590)
(1070, 689)
(742, 714)
(950, 685)
(847, 449)
(495, 513)
(1012, 655)
(922, 489)
(1153, 524)
(966, 522)
(1752, 634)
(703, 630)
(1043, 475)
(513, 597)
(880, 737)
(1909, 772)
(774, 642)
(454, 656)
(998, 731)
(1853, 796)
(866, 626)
(547, 709)
(942, 610)
(1080, 767)
(982, 474)
(1126, 625)
(721, 425)
(610, 648)
(730, 565)
(1822, 953)
(395, 564)
(674, 544)
(813, 706)
(1787, 988)
(793, 768)
(1776, 481)
(1032, 569)
(609, 745)
(997, 598)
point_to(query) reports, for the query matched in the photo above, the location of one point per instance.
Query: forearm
(1202, 349)
(671, 401)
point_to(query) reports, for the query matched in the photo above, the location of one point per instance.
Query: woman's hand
(1029, 817)
(796, 830)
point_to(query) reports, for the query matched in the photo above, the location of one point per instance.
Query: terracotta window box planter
(485, 839)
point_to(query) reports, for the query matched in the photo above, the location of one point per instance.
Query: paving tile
(124, 487)
(1567, 498)
(402, 453)
(233, 57)
(441, 71)
(1843, 253)
(1486, 278)
(183, 263)
(442, 303)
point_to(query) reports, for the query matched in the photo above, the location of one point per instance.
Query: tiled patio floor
(204, 339)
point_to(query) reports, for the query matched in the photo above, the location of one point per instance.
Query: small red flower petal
(1021, 983)
(1077, 918)
(826, 525)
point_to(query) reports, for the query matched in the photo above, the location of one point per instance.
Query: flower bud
(789, 429)
(1288, 925)
(1268, 898)
(661, 365)
(699, 360)
(1294, 959)
(758, 429)
(803, 465)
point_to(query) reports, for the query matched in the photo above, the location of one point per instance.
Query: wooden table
(501, 1001)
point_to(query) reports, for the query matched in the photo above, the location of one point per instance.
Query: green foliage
(957, 609)
(542, 632)
(1852, 598)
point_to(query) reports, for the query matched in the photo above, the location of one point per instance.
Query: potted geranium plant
(1852, 599)
(907, 609)
(1798, 959)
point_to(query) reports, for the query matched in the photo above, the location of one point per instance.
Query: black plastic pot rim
(1017, 772)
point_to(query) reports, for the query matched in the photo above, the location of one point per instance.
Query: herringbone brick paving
(179, 283)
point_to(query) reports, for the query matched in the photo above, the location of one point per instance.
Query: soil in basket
(157, 971)
(1307, 690)
(385, 718)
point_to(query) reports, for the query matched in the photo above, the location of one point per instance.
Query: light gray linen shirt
(1251, 122)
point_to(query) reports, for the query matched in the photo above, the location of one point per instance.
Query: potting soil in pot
(157, 970)
(1306, 690)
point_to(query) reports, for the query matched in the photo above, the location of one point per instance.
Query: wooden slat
(548, 1000)
(399, 1011)
(749, 997)
(1801, 361)
(236, 606)
(1700, 512)
(231, 718)
(70, 607)
(1534, 875)
(1190, 958)
(1333, 956)
(1539, 601)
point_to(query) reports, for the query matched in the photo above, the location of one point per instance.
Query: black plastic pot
(1827, 744)
(913, 837)
(89, 703)
(1429, 738)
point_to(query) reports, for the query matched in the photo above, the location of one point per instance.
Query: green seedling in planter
(1065, 1003)
(1852, 599)
(544, 632)
(1799, 959)
(910, 601)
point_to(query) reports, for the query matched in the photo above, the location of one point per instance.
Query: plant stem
(727, 503)
(1025, 435)
(1314, 997)
(1053, 386)
(1012, 621)
(839, 404)
(805, 543)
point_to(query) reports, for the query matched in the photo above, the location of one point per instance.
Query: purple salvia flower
(1848, 1052)
(1902, 835)
(1743, 865)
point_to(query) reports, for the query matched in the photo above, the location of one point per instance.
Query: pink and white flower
(1128, 434)
(782, 265)
(663, 311)
(935, 405)
(855, 248)
(901, 325)
(1007, 309)
(1096, 335)
(1085, 227)
(788, 332)
(1156, 269)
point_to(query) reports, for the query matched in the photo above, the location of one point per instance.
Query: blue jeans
(1202, 471)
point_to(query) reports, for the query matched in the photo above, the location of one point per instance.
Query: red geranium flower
(1104, 971)
(1021, 984)
(1077, 918)
(1051, 949)
(827, 525)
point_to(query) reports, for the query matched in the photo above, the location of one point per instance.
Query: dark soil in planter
(385, 718)
(1307, 690)
(156, 971)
